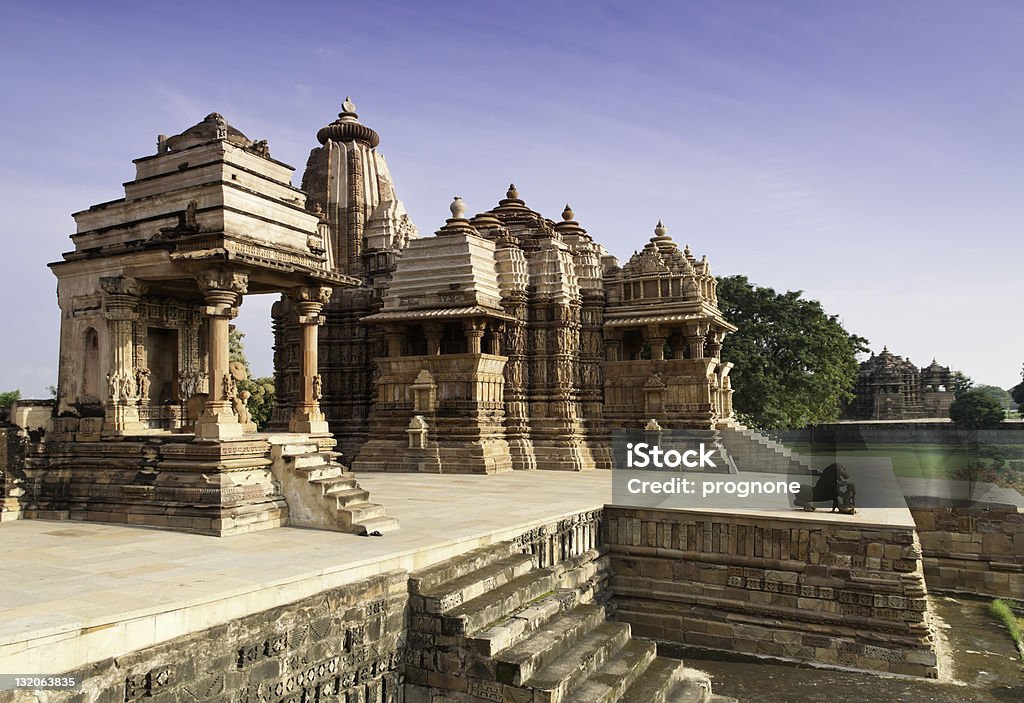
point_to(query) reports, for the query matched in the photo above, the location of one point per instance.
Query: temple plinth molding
(307, 417)
(223, 290)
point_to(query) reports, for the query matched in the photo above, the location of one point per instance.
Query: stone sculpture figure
(834, 485)
(143, 383)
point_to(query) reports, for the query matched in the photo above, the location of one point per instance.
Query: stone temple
(506, 341)
(453, 396)
(889, 387)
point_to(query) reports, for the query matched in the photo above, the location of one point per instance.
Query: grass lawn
(912, 460)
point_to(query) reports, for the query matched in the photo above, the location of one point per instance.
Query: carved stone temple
(889, 387)
(506, 341)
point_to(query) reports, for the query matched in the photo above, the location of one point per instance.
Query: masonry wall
(829, 593)
(343, 645)
(973, 550)
(12, 473)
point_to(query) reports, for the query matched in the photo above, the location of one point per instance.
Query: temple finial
(567, 214)
(660, 230)
(458, 208)
(512, 193)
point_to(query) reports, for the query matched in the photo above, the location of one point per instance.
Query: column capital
(216, 280)
(310, 301)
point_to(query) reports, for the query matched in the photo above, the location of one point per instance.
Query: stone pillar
(475, 334)
(656, 341)
(433, 331)
(223, 290)
(394, 336)
(613, 349)
(307, 416)
(696, 335)
(121, 308)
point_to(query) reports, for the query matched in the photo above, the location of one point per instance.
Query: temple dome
(213, 126)
(347, 128)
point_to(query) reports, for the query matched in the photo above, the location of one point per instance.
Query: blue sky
(868, 153)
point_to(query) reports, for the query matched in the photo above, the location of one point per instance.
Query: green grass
(1002, 611)
(912, 460)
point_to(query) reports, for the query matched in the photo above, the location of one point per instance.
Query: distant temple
(889, 387)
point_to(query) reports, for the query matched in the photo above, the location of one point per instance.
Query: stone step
(657, 683)
(465, 588)
(360, 512)
(319, 472)
(555, 682)
(345, 494)
(543, 647)
(473, 560)
(607, 684)
(309, 459)
(713, 698)
(484, 611)
(375, 526)
(521, 623)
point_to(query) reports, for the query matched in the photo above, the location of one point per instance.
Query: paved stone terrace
(76, 592)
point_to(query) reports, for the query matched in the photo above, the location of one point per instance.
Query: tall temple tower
(348, 185)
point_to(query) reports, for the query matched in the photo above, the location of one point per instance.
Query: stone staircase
(490, 625)
(752, 451)
(320, 493)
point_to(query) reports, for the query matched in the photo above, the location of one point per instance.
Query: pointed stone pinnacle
(567, 213)
(512, 193)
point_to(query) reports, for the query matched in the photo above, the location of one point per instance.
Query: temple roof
(347, 128)
(213, 126)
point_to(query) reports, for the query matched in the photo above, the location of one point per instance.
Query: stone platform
(76, 593)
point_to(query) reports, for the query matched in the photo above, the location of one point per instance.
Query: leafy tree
(1000, 395)
(261, 390)
(1017, 392)
(7, 399)
(976, 410)
(795, 365)
(961, 383)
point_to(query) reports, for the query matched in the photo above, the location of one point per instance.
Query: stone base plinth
(169, 481)
(849, 595)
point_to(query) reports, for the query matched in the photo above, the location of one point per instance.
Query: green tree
(261, 390)
(1000, 395)
(976, 410)
(795, 365)
(7, 399)
(961, 383)
(1017, 392)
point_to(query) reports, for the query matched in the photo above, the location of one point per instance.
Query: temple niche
(889, 387)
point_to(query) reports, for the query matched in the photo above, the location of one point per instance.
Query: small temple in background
(889, 387)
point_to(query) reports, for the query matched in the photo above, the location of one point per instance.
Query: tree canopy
(7, 399)
(261, 390)
(1017, 392)
(976, 410)
(1000, 395)
(795, 364)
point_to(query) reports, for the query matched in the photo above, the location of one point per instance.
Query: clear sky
(868, 153)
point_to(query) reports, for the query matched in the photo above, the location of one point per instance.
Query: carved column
(223, 290)
(394, 336)
(475, 334)
(696, 335)
(433, 331)
(307, 416)
(121, 307)
(656, 341)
